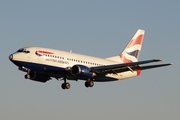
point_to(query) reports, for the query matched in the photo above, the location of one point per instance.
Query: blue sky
(97, 28)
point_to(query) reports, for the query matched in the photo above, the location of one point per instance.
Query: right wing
(133, 66)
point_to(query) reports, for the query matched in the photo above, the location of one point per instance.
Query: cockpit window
(23, 50)
(20, 50)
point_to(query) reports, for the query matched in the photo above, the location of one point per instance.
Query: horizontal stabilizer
(153, 66)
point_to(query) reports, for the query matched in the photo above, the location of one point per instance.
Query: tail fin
(132, 51)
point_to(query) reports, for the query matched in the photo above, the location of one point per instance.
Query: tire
(63, 86)
(86, 84)
(91, 83)
(67, 85)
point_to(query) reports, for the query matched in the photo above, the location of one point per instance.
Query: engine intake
(82, 71)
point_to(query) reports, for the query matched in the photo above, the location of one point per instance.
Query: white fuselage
(42, 64)
(38, 56)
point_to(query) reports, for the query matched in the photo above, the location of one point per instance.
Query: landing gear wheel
(65, 86)
(89, 83)
(68, 85)
(86, 84)
(25, 76)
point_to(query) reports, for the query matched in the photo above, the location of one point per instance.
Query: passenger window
(26, 51)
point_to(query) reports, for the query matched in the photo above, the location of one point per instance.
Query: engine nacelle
(36, 76)
(82, 71)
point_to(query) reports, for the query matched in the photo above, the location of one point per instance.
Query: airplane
(43, 64)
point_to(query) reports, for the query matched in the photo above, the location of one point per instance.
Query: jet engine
(82, 71)
(36, 76)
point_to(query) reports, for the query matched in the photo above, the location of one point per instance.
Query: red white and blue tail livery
(42, 64)
(132, 51)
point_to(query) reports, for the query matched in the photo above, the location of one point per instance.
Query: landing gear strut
(65, 85)
(89, 83)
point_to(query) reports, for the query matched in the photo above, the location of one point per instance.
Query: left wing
(133, 66)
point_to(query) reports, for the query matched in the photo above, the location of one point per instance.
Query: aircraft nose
(11, 57)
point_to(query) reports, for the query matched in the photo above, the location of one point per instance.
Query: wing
(133, 66)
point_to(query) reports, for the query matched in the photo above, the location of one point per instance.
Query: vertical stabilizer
(132, 51)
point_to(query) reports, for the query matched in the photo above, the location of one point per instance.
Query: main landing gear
(65, 85)
(89, 83)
